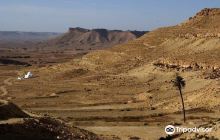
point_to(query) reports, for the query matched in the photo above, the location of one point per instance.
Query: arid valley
(113, 85)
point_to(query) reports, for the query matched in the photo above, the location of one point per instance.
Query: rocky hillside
(17, 124)
(81, 39)
(9, 110)
(195, 41)
(205, 24)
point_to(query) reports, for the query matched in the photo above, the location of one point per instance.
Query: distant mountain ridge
(26, 36)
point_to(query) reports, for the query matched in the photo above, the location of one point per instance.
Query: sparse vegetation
(180, 83)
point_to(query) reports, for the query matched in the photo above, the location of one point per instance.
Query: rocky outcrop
(210, 71)
(184, 66)
(208, 12)
(205, 24)
(200, 35)
(212, 74)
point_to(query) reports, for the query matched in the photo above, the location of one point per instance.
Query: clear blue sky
(59, 15)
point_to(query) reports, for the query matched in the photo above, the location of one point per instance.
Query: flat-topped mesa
(99, 30)
(88, 39)
(78, 29)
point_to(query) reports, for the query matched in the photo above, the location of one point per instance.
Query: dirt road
(3, 89)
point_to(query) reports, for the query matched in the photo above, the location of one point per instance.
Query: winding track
(7, 82)
(4, 91)
(3, 88)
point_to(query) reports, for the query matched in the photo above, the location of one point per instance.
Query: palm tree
(180, 83)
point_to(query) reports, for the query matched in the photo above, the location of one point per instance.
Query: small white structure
(28, 75)
(19, 78)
